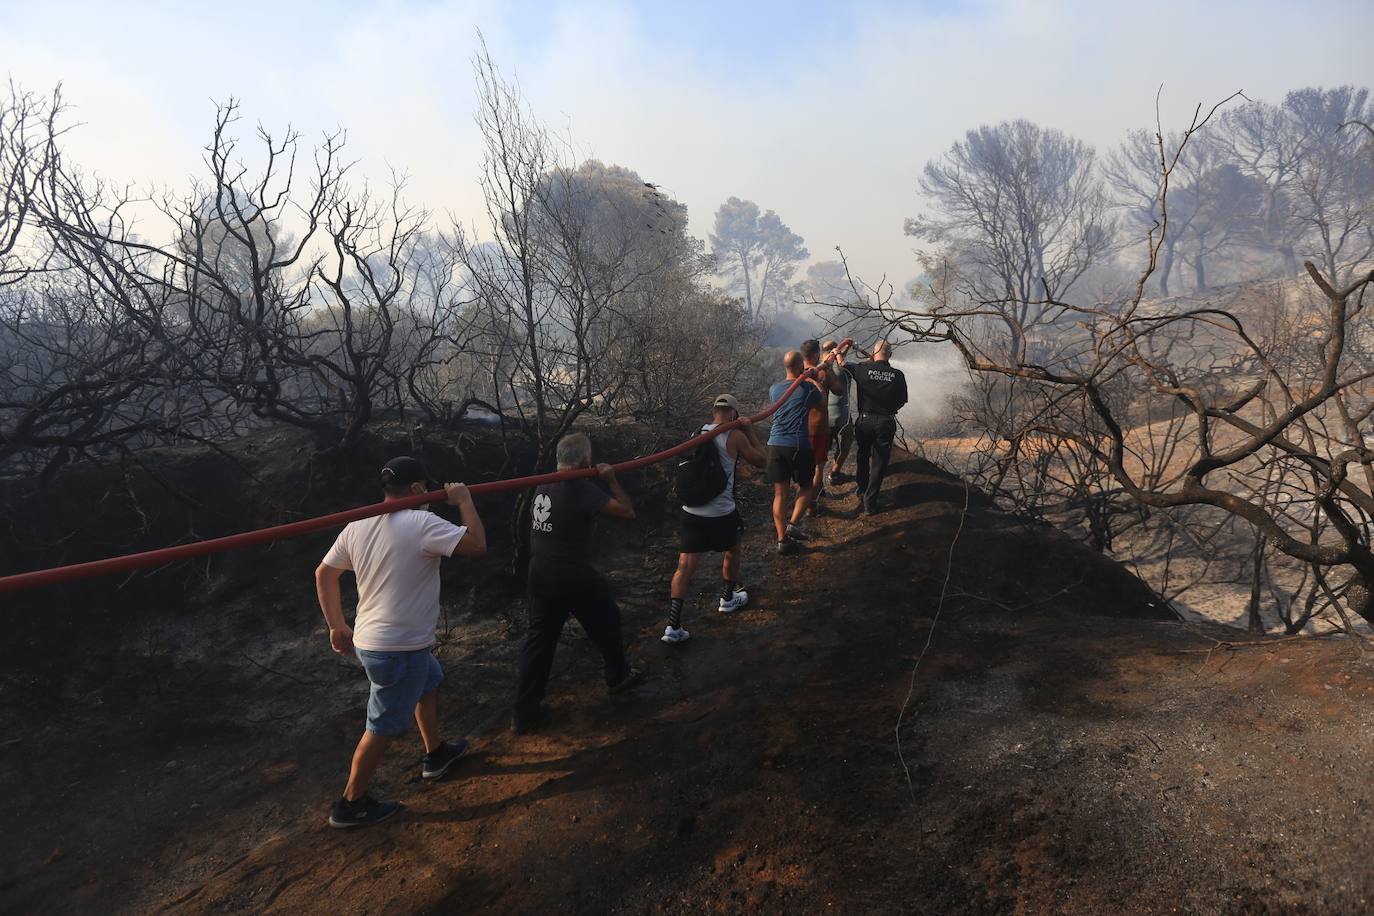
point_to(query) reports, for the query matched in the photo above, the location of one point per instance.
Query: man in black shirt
(882, 392)
(563, 581)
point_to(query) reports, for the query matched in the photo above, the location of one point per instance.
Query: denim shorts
(398, 679)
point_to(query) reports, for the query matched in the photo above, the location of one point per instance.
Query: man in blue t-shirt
(790, 457)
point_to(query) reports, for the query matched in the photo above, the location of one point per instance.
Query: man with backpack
(710, 520)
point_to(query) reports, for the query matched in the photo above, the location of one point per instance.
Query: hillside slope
(1068, 751)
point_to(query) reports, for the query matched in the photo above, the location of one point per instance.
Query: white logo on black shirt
(542, 506)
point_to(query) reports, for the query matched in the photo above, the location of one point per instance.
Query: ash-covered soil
(1065, 748)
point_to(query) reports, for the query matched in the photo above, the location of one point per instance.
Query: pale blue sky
(824, 112)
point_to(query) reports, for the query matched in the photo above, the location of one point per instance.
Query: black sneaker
(787, 545)
(796, 532)
(632, 677)
(436, 763)
(524, 723)
(361, 812)
(838, 477)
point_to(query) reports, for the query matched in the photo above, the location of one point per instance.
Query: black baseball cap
(403, 470)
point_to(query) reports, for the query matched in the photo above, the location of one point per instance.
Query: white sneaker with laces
(738, 600)
(675, 634)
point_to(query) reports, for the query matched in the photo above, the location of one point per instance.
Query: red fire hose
(165, 555)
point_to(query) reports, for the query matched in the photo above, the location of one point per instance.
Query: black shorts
(795, 463)
(710, 534)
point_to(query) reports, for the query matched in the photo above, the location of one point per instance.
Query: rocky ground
(1063, 748)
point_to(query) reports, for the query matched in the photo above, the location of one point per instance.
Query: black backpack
(700, 477)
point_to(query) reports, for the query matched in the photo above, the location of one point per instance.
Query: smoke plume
(935, 374)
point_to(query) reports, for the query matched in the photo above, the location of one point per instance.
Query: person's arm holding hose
(832, 378)
(619, 505)
(474, 543)
(751, 449)
(837, 356)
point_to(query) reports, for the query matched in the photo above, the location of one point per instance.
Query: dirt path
(1059, 762)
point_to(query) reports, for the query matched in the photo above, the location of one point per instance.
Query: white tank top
(723, 504)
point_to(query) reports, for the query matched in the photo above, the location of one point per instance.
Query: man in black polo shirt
(562, 580)
(882, 392)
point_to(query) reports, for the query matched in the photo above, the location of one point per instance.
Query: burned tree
(1160, 407)
(1023, 210)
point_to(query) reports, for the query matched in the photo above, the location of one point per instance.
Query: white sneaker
(675, 634)
(738, 600)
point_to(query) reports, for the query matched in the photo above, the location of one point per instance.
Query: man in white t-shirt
(395, 559)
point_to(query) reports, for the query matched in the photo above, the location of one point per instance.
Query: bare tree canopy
(1024, 208)
(280, 290)
(1184, 417)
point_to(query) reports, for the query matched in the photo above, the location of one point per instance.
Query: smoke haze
(823, 112)
(935, 374)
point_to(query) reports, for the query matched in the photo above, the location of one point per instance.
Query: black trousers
(873, 433)
(593, 604)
